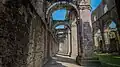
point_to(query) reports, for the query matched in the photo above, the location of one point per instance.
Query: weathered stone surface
(25, 40)
(87, 43)
(14, 36)
(21, 36)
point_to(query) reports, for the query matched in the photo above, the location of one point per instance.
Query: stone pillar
(87, 42)
(74, 39)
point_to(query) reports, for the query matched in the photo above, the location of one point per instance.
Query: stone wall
(23, 40)
(37, 43)
(14, 34)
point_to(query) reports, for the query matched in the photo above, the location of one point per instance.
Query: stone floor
(65, 61)
(62, 61)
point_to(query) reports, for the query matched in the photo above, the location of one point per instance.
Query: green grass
(109, 60)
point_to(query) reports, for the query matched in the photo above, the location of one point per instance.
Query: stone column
(74, 39)
(86, 32)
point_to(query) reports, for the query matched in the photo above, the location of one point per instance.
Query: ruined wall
(22, 35)
(14, 35)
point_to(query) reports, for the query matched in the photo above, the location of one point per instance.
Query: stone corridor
(28, 34)
(30, 37)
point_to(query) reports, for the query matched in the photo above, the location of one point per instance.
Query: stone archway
(73, 25)
(51, 9)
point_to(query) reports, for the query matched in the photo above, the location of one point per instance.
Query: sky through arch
(95, 4)
(59, 14)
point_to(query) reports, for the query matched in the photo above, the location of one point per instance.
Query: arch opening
(65, 35)
(58, 6)
(59, 14)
